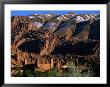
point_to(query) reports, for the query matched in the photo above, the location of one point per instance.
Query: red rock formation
(31, 43)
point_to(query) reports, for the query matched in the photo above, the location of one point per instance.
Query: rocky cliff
(39, 35)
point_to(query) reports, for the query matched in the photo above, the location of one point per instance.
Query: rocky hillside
(45, 36)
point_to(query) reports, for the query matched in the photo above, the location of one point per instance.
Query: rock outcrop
(37, 36)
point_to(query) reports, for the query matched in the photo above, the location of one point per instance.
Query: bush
(28, 73)
(49, 73)
(53, 73)
(18, 74)
(75, 71)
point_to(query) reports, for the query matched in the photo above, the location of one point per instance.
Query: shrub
(75, 71)
(18, 74)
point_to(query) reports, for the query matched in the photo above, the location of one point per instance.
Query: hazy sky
(27, 12)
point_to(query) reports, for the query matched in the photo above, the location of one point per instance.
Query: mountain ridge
(38, 36)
